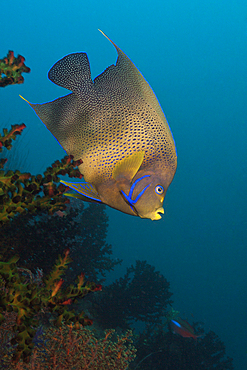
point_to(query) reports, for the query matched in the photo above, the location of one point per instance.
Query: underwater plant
(22, 192)
(29, 298)
(11, 69)
(141, 295)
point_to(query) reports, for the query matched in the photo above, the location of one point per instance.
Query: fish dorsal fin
(86, 191)
(128, 167)
(187, 326)
(126, 79)
(71, 72)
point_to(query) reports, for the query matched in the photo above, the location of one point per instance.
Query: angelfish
(116, 126)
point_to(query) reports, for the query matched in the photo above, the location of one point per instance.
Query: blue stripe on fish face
(176, 323)
(128, 197)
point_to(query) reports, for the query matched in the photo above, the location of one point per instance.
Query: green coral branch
(22, 192)
(29, 299)
(58, 270)
(11, 69)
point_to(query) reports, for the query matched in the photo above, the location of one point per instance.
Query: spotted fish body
(116, 126)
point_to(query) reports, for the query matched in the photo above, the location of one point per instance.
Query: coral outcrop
(9, 135)
(81, 229)
(22, 192)
(70, 348)
(141, 295)
(11, 69)
(41, 327)
(29, 298)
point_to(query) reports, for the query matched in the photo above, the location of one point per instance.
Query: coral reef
(22, 192)
(30, 297)
(141, 295)
(37, 329)
(81, 229)
(11, 69)
(70, 348)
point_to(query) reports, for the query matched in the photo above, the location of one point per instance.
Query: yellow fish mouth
(157, 214)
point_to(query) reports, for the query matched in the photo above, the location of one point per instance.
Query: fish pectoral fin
(86, 191)
(128, 167)
(81, 197)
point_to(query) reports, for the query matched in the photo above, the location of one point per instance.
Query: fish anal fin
(86, 191)
(128, 167)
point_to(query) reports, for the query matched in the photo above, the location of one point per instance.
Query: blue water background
(194, 55)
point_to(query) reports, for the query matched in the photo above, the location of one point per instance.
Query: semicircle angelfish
(116, 126)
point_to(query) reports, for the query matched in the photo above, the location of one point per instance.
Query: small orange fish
(69, 301)
(57, 287)
(61, 213)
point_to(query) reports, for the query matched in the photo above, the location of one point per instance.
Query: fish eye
(159, 189)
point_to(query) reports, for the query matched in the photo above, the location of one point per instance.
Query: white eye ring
(159, 189)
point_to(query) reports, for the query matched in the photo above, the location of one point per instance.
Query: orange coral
(71, 348)
(11, 69)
